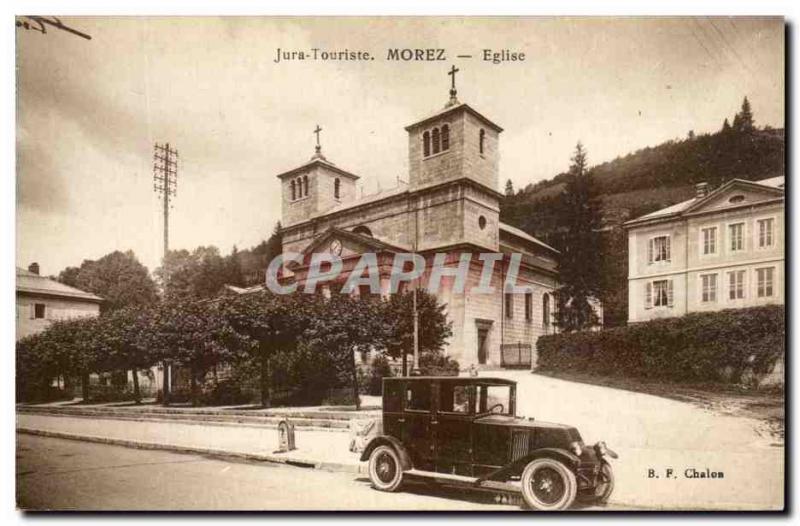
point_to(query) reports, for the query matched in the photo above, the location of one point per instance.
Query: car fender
(386, 440)
(515, 468)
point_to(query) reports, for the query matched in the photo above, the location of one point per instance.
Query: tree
(118, 277)
(343, 327)
(434, 327)
(743, 121)
(726, 127)
(580, 258)
(199, 274)
(234, 273)
(509, 188)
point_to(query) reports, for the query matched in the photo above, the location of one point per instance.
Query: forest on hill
(644, 181)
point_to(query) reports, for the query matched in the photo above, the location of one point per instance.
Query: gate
(516, 355)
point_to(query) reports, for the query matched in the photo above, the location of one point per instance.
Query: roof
(450, 109)
(468, 379)
(317, 161)
(773, 183)
(30, 283)
(524, 235)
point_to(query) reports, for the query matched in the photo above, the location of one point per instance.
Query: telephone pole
(165, 183)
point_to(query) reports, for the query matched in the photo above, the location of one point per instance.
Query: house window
(736, 236)
(509, 300)
(294, 192)
(736, 284)
(709, 286)
(766, 232)
(336, 188)
(528, 306)
(38, 311)
(305, 185)
(426, 144)
(435, 138)
(765, 279)
(659, 293)
(545, 309)
(445, 137)
(709, 240)
(481, 140)
(658, 250)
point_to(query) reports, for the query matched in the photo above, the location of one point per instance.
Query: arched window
(305, 185)
(435, 135)
(481, 140)
(294, 190)
(426, 144)
(546, 310)
(445, 137)
(364, 231)
(336, 185)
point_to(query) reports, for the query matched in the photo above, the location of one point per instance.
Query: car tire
(548, 485)
(385, 470)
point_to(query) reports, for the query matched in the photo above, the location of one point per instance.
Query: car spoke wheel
(385, 471)
(548, 485)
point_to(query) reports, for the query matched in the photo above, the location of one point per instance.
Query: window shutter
(650, 251)
(33, 311)
(669, 293)
(669, 251)
(648, 302)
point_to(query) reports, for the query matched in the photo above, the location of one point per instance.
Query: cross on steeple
(452, 73)
(318, 147)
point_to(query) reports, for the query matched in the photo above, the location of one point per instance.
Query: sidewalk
(315, 449)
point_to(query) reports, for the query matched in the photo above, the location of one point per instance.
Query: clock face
(336, 247)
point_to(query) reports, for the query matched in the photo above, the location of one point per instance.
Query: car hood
(519, 421)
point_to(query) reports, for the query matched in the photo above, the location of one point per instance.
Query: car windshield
(494, 399)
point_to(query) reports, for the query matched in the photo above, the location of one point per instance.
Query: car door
(453, 430)
(418, 423)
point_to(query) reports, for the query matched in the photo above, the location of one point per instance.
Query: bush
(379, 370)
(720, 346)
(226, 392)
(437, 365)
(109, 393)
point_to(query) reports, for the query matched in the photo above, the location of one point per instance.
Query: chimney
(34, 267)
(701, 190)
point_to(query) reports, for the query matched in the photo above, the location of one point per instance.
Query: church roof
(524, 235)
(317, 161)
(28, 282)
(452, 109)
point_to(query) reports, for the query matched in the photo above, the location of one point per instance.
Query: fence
(516, 355)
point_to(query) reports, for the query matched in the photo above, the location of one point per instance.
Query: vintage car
(464, 431)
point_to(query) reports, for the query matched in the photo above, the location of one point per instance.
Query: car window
(453, 398)
(392, 397)
(418, 396)
(494, 398)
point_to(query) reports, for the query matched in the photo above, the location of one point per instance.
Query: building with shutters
(41, 300)
(450, 204)
(721, 249)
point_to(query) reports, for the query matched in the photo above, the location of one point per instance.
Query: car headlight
(576, 448)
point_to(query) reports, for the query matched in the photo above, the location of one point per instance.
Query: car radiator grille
(519, 444)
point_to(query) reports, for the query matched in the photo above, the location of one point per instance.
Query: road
(58, 474)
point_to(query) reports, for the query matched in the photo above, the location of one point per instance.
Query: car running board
(463, 479)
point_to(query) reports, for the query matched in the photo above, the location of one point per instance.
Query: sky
(90, 111)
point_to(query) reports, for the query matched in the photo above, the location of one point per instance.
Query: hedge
(724, 346)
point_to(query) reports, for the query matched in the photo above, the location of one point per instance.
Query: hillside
(647, 180)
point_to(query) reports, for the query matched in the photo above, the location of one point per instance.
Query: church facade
(450, 204)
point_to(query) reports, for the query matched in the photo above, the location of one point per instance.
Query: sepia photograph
(393, 263)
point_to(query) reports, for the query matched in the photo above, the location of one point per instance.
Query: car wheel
(385, 471)
(605, 484)
(548, 485)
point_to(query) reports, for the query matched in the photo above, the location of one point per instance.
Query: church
(449, 204)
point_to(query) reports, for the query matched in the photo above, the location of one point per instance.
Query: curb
(298, 462)
(166, 418)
